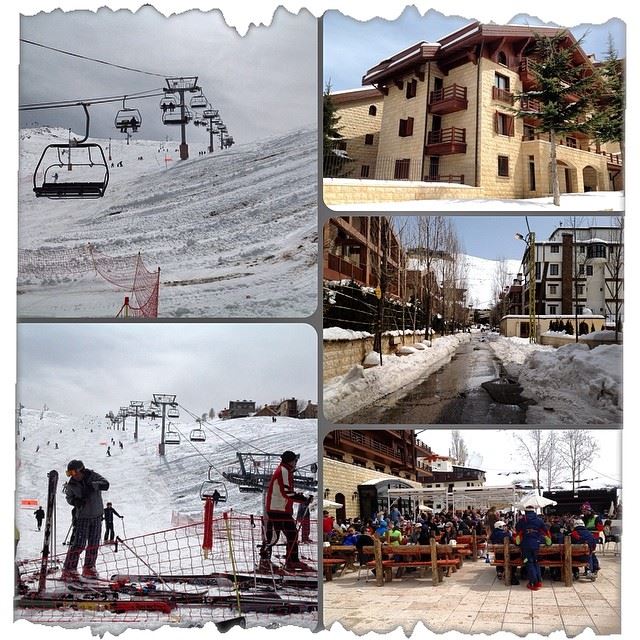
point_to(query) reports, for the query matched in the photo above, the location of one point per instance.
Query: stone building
(448, 116)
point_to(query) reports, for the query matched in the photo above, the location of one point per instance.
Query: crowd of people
(527, 529)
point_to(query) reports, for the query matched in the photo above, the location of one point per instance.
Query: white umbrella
(535, 500)
(330, 504)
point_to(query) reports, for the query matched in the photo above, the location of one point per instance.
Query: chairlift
(169, 102)
(171, 437)
(198, 435)
(173, 412)
(210, 113)
(250, 488)
(176, 116)
(223, 128)
(213, 489)
(74, 170)
(198, 102)
(128, 118)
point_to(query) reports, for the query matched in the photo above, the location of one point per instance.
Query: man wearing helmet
(280, 497)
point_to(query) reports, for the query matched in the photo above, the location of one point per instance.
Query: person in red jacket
(280, 497)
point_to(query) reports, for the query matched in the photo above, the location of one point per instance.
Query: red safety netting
(166, 578)
(127, 273)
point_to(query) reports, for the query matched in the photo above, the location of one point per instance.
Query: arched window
(502, 58)
(373, 110)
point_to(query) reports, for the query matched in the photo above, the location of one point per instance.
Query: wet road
(451, 395)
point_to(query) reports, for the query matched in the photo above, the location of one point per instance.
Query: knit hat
(75, 465)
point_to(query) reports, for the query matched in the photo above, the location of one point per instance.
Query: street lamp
(530, 241)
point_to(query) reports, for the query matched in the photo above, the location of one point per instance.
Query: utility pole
(135, 406)
(164, 399)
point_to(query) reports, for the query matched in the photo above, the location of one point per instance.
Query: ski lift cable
(105, 62)
(200, 453)
(142, 95)
(211, 427)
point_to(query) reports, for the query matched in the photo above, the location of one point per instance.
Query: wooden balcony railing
(445, 136)
(345, 268)
(502, 95)
(448, 99)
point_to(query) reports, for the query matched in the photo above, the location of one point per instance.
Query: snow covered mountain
(233, 232)
(480, 276)
(153, 493)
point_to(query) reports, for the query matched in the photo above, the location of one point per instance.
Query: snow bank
(336, 333)
(571, 385)
(359, 387)
(601, 336)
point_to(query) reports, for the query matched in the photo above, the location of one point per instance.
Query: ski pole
(124, 531)
(66, 538)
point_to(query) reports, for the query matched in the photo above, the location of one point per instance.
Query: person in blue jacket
(530, 532)
(499, 533)
(582, 535)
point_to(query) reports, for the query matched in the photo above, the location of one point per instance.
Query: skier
(109, 451)
(39, 514)
(499, 533)
(57, 445)
(278, 515)
(120, 444)
(109, 512)
(529, 532)
(84, 493)
(582, 535)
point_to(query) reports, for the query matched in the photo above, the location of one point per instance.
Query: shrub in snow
(568, 328)
(560, 326)
(405, 351)
(372, 359)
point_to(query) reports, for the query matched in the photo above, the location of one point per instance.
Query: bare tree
(614, 283)
(501, 281)
(533, 445)
(458, 449)
(553, 462)
(576, 448)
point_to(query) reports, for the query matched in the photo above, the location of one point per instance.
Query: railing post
(567, 562)
(377, 556)
(507, 561)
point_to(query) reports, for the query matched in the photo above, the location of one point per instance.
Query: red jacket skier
(280, 497)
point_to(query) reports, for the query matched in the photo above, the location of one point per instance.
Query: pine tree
(607, 123)
(569, 328)
(564, 91)
(333, 161)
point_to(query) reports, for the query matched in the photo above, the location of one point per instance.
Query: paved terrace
(472, 600)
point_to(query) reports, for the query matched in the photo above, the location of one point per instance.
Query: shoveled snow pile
(346, 394)
(603, 336)
(570, 385)
(337, 333)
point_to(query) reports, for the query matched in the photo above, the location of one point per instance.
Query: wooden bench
(565, 556)
(437, 557)
(477, 543)
(329, 564)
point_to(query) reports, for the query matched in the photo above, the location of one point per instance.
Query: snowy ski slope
(234, 232)
(146, 489)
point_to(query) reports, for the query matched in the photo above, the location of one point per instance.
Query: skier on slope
(278, 515)
(39, 514)
(109, 512)
(84, 492)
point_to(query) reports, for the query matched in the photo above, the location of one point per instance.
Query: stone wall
(344, 478)
(561, 341)
(338, 191)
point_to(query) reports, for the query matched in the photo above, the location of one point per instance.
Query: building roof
(354, 95)
(461, 39)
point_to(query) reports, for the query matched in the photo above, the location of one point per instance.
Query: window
(537, 271)
(406, 128)
(581, 270)
(503, 166)
(503, 124)
(434, 168)
(552, 309)
(555, 248)
(402, 169)
(580, 289)
(501, 82)
(373, 110)
(572, 142)
(412, 89)
(597, 251)
(553, 270)
(589, 270)
(529, 132)
(342, 145)
(532, 174)
(580, 309)
(502, 58)
(368, 138)
(364, 171)
(582, 249)
(553, 289)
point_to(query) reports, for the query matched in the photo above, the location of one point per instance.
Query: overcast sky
(93, 368)
(350, 47)
(263, 84)
(493, 237)
(496, 451)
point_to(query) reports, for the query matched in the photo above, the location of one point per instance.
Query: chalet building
(579, 270)
(309, 412)
(450, 476)
(267, 410)
(358, 248)
(241, 408)
(447, 115)
(360, 467)
(360, 112)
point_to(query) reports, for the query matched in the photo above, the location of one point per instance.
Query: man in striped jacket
(279, 499)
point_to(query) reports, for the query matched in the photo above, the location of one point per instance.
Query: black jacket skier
(39, 514)
(109, 512)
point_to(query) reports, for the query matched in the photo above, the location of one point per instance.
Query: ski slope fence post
(233, 561)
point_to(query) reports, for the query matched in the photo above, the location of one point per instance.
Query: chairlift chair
(213, 489)
(173, 412)
(128, 118)
(175, 117)
(210, 113)
(171, 437)
(198, 102)
(169, 102)
(198, 435)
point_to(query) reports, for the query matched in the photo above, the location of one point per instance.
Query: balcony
(443, 142)
(346, 269)
(527, 76)
(373, 446)
(502, 95)
(448, 100)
